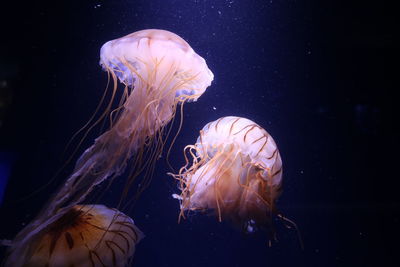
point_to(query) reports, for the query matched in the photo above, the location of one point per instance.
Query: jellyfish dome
(235, 171)
(157, 60)
(87, 235)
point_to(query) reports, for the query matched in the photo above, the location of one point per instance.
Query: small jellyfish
(234, 170)
(87, 235)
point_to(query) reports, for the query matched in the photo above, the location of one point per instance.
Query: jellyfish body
(87, 235)
(158, 71)
(236, 172)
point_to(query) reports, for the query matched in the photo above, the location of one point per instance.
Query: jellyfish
(158, 71)
(233, 170)
(86, 235)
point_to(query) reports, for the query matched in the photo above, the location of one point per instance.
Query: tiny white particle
(214, 108)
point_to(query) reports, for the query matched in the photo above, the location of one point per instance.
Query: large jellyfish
(87, 235)
(235, 171)
(158, 71)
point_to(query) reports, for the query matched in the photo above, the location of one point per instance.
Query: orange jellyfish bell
(157, 62)
(87, 235)
(236, 173)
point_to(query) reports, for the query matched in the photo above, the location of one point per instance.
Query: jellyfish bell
(87, 235)
(236, 172)
(157, 59)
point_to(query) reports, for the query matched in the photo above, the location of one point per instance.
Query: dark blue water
(317, 76)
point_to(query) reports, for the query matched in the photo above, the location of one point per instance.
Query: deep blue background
(317, 75)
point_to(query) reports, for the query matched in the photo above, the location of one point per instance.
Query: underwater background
(317, 75)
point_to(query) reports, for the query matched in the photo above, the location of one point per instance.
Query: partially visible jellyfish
(158, 70)
(235, 171)
(87, 235)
